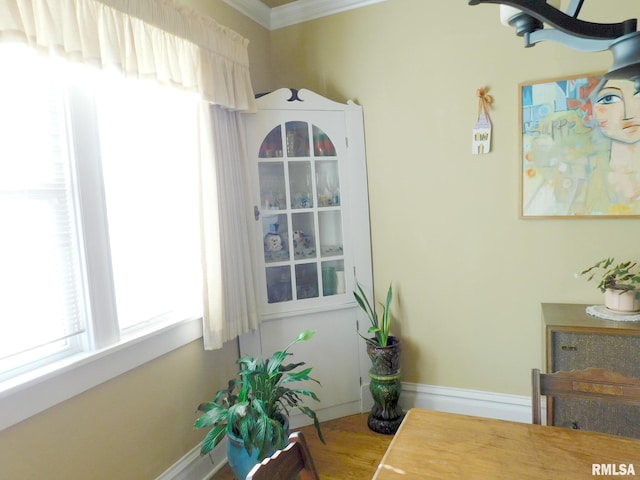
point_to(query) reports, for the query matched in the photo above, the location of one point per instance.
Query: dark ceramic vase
(386, 415)
(385, 360)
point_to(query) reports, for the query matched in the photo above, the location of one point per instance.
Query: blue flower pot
(239, 460)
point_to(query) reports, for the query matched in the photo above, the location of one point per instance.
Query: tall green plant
(263, 397)
(379, 325)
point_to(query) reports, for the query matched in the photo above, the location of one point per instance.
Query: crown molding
(254, 9)
(294, 12)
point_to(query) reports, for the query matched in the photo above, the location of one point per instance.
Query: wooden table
(437, 445)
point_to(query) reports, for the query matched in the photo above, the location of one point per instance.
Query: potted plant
(253, 410)
(620, 283)
(384, 351)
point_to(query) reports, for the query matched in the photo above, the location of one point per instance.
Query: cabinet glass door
(301, 213)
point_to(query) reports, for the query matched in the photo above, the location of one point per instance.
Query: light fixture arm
(567, 23)
(574, 8)
(621, 39)
(558, 36)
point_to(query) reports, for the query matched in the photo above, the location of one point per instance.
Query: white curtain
(144, 38)
(230, 302)
(162, 40)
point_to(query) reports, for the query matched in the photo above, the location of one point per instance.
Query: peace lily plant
(255, 405)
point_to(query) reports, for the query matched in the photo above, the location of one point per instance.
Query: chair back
(593, 383)
(287, 464)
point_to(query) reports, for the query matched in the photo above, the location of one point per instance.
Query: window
(98, 208)
(150, 177)
(42, 311)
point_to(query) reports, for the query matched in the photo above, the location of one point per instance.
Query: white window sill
(24, 396)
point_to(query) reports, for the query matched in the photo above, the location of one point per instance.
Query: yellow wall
(133, 427)
(470, 275)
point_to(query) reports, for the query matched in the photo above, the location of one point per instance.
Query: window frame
(26, 395)
(109, 352)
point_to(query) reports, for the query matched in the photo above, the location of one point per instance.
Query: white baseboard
(444, 399)
(458, 400)
(193, 466)
(468, 402)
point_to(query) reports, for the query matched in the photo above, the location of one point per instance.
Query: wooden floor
(352, 450)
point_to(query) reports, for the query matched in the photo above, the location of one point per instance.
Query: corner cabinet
(311, 208)
(576, 340)
(312, 238)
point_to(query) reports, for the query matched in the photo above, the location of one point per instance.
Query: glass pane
(300, 185)
(41, 280)
(297, 139)
(306, 281)
(146, 153)
(272, 144)
(304, 244)
(328, 183)
(275, 232)
(279, 284)
(273, 194)
(322, 145)
(330, 225)
(333, 277)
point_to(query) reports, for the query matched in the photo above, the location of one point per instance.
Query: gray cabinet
(575, 340)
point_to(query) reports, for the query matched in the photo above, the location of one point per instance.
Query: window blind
(42, 305)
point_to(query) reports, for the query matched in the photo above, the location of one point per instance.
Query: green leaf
(213, 438)
(275, 362)
(245, 429)
(205, 407)
(316, 423)
(364, 304)
(299, 376)
(267, 436)
(383, 335)
(215, 415)
(621, 276)
(291, 366)
(379, 326)
(307, 393)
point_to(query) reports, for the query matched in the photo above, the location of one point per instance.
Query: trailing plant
(379, 325)
(623, 276)
(256, 402)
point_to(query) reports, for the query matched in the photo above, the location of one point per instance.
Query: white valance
(144, 38)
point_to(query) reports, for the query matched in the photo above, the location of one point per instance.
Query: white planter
(621, 301)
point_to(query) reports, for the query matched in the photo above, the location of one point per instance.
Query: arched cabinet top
(303, 99)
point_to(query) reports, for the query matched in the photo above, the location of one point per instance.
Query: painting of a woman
(580, 148)
(617, 112)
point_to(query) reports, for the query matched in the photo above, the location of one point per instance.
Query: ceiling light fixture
(529, 16)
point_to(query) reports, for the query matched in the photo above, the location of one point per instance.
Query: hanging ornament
(482, 130)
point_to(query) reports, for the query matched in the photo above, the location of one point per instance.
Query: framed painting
(580, 148)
